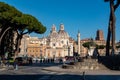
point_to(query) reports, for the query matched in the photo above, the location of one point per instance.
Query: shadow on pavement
(59, 77)
(41, 77)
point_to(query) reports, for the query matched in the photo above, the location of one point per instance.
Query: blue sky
(87, 16)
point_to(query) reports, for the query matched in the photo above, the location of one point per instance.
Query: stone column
(78, 38)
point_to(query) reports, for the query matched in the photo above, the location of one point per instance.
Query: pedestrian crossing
(51, 74)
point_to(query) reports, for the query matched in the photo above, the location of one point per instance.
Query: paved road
(36, 72)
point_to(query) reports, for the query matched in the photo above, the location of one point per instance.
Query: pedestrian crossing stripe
(57, 73)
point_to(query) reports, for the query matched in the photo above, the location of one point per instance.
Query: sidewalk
(60, 69)
(2, 68)
(79, 72)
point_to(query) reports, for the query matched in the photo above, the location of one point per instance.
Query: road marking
(52, 72)
(61, 73)
(56, 73)
(44, 78)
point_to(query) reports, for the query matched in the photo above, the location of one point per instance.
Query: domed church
(58, 44)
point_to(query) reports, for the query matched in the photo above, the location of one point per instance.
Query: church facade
(56, 45)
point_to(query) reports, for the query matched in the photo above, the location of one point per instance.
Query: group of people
(44, 60)
(49, 60)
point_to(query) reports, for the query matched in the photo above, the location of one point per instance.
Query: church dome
(62, 33)
(53, 33)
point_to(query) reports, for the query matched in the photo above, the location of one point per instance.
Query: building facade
(99, 35)
(57, 44)
(99, 40)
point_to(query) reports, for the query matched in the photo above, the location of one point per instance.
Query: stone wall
(89, 64)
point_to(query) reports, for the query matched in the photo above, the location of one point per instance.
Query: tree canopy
(118, 46)
(12, 20)
(89, 44)
(29, 23)
(100, 46)
(10, 16)
(7, 13)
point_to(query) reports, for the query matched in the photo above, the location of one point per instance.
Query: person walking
(16, 64)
